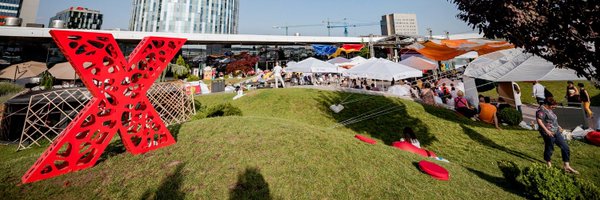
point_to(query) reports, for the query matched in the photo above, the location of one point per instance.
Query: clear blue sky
(259, 16)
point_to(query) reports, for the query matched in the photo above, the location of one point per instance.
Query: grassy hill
(285, 146)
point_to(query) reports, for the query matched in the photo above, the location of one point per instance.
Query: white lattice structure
(171, 102)
(50, 112)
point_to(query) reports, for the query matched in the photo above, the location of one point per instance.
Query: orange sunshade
(449, 49)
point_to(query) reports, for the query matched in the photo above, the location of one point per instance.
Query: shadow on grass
(498, 181)
(385, 126)
(481, 139)
(170, 186)
(115, 148)
(251, 185)
(453, 116)
(174, 129)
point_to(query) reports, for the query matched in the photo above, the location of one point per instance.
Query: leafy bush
(193, 78)
(510, 116)
(220, 110)
(542, 182)
(47, 80)
(6, 88)
(510, 171)
(223, 110)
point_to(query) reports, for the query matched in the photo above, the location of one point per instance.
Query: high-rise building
(79, 18)
(402, 24)
(190, 16)
(24, 9)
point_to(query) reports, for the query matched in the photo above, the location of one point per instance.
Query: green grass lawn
(284, 147)
(558, 89)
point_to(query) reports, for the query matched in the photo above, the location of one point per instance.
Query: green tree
(180, 68)
(565, 33)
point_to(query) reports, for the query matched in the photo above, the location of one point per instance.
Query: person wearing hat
(552, 134)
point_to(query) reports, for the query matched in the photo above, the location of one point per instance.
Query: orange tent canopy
(448, 49)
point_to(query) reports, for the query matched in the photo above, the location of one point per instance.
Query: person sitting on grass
(488, 112)
(462, 106)
(409, 136)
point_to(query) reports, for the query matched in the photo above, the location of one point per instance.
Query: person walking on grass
(277, 70)
(585, 100)
(552, 134)
(538, 92)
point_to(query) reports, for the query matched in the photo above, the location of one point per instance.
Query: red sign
(119, 102)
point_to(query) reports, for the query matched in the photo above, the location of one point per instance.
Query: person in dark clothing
(585, 100)
(551, 132)
(572, 94)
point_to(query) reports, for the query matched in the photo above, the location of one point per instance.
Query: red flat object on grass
(365, 139)
(593, 137)
(406, 146)
(434, 170)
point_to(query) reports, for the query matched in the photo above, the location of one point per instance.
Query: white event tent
(516, 65)
(383, 69)
(419, 63)
(338, 60)
(353, 62)
(312, 65)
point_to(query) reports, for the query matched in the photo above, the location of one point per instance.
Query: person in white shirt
(277, 74)
(517, 96)
(538, 92)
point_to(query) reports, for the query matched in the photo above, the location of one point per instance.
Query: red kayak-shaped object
(406, 146)
(434, 170)
(365, 139)
(593, 137)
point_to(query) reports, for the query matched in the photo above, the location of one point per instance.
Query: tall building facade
(79, 18)
(397, 23)
(185, 16)
(24, 9)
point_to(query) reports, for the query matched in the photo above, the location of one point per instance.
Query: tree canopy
(565, 33)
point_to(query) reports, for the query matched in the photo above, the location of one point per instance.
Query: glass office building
(185, 16)
(10, 8)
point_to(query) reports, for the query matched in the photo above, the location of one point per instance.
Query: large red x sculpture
(119, 102)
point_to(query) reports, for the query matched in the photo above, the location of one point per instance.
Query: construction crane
(344, 24)
(295, 26)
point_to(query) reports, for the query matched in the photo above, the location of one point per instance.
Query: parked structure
(79, 18)
(192, 16)
(401, 24)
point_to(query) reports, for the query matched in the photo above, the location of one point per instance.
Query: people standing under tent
(552, 134)
(460, 86)
(277, 70)
(409, 136)
(517, 97)
(538, 92)
(427, 94)
(462, 106)
(488, 112)
(453, 92)
(585, 100)
(572, 94)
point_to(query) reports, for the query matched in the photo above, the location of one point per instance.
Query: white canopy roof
(382, 69)
(419, 63)
(515, 65)
(63, 71)
(337, 60)
(468, 55)
(354, 61)
(23, 70)
(312, 65)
